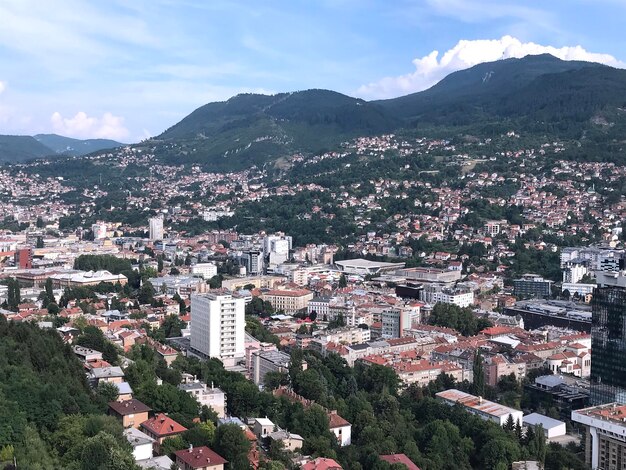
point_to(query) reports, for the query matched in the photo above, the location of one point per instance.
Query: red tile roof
(336, 421)
(162, 425)
(322, 463)
(199, 457)
(399, 458)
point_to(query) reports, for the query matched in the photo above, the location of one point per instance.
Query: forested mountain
(252, 129)
(539, 94)
(491, 89)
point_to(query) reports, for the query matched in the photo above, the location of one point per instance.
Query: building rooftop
(129, 407)
(136, 438)
(476, 403)
(401, 459)
(612, 412)
(199, 457)
(547, 422)
(163, 425)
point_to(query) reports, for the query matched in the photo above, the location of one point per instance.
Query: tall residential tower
(218, 326)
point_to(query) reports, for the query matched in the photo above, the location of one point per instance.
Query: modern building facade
(532, 285)
(608, 343)
(218, 326)
(605, 443)
(156, 228)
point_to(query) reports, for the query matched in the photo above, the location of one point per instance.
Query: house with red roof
(161, 427)
(199, 458)
(322, 463)
(341, 428)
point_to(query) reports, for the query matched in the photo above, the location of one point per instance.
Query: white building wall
(218, 326)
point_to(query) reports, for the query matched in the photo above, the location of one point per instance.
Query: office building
(156, 228)
(605, 443)
(532, 285)
(24, 258)
(288, 301)
(252, 260)
(218, 326)
(608, 343)
(395, 321)
(204, 270)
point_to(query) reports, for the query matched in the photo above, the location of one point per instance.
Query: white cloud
(3, 86)
(467, 53)
(86, 127)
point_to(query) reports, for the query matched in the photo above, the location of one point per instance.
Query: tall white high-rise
(156, 228)
(218, 326)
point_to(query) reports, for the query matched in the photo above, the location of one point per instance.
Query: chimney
(190, 448)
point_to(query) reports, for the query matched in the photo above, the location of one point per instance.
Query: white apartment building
(212, 397)
(434, 293)
(156, 228)
(99, 231)
(205, 270)
(574, 272)
(218, 326)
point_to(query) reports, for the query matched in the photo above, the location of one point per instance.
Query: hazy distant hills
(540, 93)
(17, 148)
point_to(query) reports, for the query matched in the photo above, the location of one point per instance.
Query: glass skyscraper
(608, 346)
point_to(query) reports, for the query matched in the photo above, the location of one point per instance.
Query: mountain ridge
(19, 148)
(537, 93)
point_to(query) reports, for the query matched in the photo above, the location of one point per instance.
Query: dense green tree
(478, 369)
(13, 294)
(461, 319)
(92, 337)
(108, 391)
(232, 444)
(201, 434)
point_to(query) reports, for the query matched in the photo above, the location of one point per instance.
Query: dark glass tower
(608, 346)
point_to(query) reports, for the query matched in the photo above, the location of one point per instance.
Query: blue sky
(128, 69)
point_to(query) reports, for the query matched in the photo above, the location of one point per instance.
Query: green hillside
(252, 129)
(17, 148)
(540, 94)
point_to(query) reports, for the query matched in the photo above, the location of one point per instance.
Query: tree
(146, 293)
(201, 434)
(39, 242)
(172, 444)
(232, 444)
(273, 380)
(478, 385)
(6, 453)
(343, 281)
(14, 297)
(108, 391)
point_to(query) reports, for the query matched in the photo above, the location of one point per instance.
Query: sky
(129, 69)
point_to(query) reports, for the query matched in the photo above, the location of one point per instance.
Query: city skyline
(129, 70)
